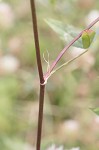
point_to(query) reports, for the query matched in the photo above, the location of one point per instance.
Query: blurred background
(70, 93)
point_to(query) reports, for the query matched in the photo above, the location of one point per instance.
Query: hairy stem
(46, 76)
(42, 85)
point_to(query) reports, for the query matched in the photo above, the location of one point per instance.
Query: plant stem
(40, 116)
(36, 38)
(40, 70)
(46, 76)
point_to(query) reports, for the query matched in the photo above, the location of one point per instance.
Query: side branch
(46, 76)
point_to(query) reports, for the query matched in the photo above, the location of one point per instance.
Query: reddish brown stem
(42, 85)
(40, 118)
(35, 29)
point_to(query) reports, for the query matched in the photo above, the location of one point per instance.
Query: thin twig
(68, 62)
(46, 76)
(42, 85)
(47, 61)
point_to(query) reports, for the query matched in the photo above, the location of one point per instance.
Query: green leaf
(65, 32)
(95, 110)
(87, 38)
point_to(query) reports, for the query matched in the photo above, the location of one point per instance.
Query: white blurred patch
(69, 130)
(91, 17)
(77, 148)
(76, 51)
(6, 16)
(97, 120)
(9, 64)
(53, 147)
(71, 125)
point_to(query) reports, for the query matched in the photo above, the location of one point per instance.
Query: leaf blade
(66, 32)
(95, 110)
